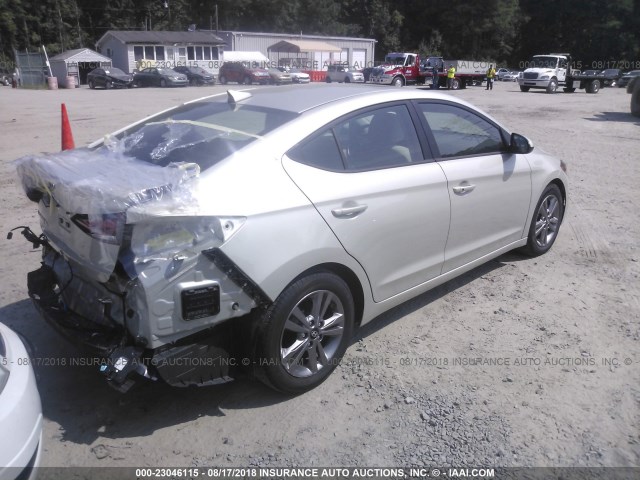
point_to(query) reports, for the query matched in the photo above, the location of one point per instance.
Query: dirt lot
(522, 362)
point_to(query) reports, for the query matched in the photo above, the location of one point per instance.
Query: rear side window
(459, 133)
(319, 151)
(374, 139)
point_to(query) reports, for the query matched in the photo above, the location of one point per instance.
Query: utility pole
(78, 26)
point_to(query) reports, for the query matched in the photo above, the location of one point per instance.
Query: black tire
(328, 79)
(524, 89)
(193, 82)
(137, 84)
(308, 340)
(222, 79)
(546, 221)
(455, 85)
(397, 82)
(593, 87)
(91, 85)
(247, 80)
(553, 86)
(635, 98)
(163, 83)
(108, 85)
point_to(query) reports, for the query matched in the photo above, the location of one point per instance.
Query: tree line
(597, 33)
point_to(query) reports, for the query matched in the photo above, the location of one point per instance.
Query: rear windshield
(202, 133)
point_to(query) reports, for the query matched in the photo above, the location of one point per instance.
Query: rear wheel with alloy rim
(546, 222)
(304, 334)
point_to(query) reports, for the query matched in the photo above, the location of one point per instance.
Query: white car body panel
(399, 238)
(491, 215)
(20, 410)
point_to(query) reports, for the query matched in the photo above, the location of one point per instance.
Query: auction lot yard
(521, 362)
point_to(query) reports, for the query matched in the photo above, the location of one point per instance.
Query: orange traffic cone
(67, 136)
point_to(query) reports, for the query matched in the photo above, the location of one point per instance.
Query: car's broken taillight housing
(105, 227)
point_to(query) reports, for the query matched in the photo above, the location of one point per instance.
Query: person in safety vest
(451, 73)
(491, 75)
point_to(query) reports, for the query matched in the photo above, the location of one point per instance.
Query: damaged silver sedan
(256, 230)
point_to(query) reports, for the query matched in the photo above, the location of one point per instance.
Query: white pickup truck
(550, 71)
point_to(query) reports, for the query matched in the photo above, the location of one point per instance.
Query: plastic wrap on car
(104, 180)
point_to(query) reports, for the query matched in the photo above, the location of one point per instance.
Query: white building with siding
(311, 52)
(135, 50)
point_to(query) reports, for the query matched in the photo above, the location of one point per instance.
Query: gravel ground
(521, 362)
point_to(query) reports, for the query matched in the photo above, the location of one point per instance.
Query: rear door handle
(348, 212)
(462, 189)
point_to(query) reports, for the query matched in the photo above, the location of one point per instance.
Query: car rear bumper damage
(100, 321)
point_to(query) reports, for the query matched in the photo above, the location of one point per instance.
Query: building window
(159, 53)
(190, 53)
(138, 53)
(207, 53)
(149, 53)
(198, 53)
(214, 53)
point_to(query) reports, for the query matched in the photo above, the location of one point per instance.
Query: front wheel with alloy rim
(304, 334)
(397, 82)
(553, 86)
(546, 221)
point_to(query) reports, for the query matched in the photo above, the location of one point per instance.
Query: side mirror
(520, 144)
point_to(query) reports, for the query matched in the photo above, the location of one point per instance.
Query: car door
(489, 188)
(376, 187)
(98, 77)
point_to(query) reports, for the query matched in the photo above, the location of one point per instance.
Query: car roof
(296, 99)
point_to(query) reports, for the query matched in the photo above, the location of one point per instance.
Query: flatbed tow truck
(554, 70)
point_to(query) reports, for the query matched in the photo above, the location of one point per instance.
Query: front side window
(138, 53)
(457, 132)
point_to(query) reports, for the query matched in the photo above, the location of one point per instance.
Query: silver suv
(342, 73)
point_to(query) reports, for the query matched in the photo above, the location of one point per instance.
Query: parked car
(109, 77)
(501, 73)
(626, 78)
(20, 410)
(611, 77)
(241, 73)
(159, 77)
(267, 225)
(5, 77)
(591, 72)
(510, 77)
(278, 77)
(342, 73)
(297, 75)
(196, 75)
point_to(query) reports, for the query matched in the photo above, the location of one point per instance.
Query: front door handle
(348, 212)
(462, 189)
